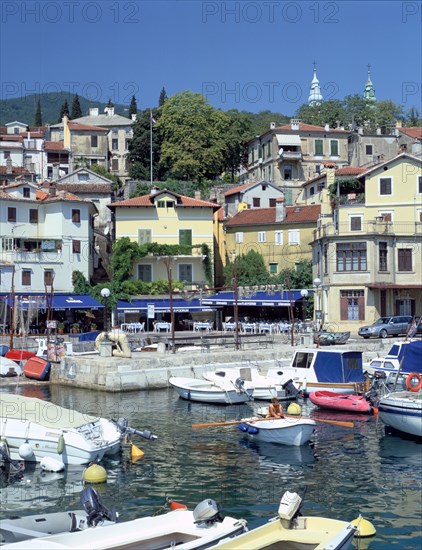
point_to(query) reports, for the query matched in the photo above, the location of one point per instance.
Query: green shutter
(319, 148)
(185, 237)
(144, 236)
(334, 148)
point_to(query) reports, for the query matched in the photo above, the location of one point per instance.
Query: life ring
(409, 384)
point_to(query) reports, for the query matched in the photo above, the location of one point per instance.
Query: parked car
(386, 326)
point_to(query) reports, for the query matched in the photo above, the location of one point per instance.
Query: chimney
(9, 168)
(134, 115)
(53, 189)
(154, 189)
(109, 110)
(378, 132)
(294, 123)
(55, 171)
(360, 130)
(272, 125)
(330, 171)
(197, 194)
(280, 209)
(93, 111)
(399, 124)
(396, 132)
(326, 127)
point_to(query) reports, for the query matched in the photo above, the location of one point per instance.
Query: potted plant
(60, 328)
(93, 327)
(75, 328)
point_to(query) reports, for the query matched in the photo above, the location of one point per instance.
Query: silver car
(386, 326)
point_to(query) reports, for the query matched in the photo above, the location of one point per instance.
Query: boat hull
(340, 402)
(203, 391)
(8, 367)
(37, 368)
(283, 431)
(19, 354)
(403, 412)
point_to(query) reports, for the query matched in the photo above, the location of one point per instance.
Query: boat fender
(60, 444)
(409, 382)
(25, 451)
(243, 427)
(253, 430)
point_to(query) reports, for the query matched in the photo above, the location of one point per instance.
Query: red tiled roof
(43, 196)
(86, 127)
(15, 170)
(265, 216)
(413, 131)
(90, 188)
(310, 128)
(350, 171)
(182, 200)
(8, 137)
(54, 146)
(237, 189)
(33, 135)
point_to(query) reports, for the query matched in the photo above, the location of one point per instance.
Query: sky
(246, 55)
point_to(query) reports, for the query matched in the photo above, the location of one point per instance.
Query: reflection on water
(344, 471)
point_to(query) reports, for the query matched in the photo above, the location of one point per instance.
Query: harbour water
(343, 473)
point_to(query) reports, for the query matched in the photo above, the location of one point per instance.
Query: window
(144, 236)
(382, 257)
(33, 215)
(94, 141)
(351, 257)
(11, 214)
(368, 150)
(294, 236)
(325, 255)
(26, 192)
(127, 141)
(278, 237)
(161, 204)
(48, 277)
(269, 173)
(76, 216)
(355, 223)
(272, 203)
(145, 273)
(256, 201)
(352, 305)
(319, 148)
(185, 273)
(269, 149)
(262, 236)
(239, 237)
(76, 247)
(287, 172)
(385, 186)
(405, 259)
(312, 191)
(114, 144)
(83, 177)
(185, 237)
(26, 277)
(420, 185)
(273, 268)
(6, 155)
(115, 165)
(8, 244)
(334, 147)
(94, 162)
(386, 216)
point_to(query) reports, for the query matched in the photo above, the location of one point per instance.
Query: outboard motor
(378, 388)
(291, 390)
(126, 431)
(207, 512)
(96, 512)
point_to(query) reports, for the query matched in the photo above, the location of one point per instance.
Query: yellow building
(281, 234)
(165, 217)
(368, 254)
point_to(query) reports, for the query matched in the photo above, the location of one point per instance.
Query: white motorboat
(322, 370)
(204, 391)
(402, 411)
(8, 367)
(33, 429)
(263, 387)
(290, 530)
(96, 527)
(402, 359)
(284, 431)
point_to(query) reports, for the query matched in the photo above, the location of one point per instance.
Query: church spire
(315, 96)
(369, 92)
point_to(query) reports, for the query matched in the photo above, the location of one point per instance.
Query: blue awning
(277, 299)
(160, 305)
(59, 302)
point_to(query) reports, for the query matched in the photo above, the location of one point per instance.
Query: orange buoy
(177, 505)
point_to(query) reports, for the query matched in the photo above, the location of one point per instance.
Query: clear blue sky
(247, 55)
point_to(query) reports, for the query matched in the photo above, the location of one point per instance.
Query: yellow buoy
(295, 409)
(95, 474)
(135, 452)
(364, 527)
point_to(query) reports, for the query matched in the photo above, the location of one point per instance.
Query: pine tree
(76, 108)
(38, 116)
(133, 107)
(64, 110)
(162, 98)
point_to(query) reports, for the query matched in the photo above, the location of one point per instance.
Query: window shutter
(355, 223)
(185, 237)
(343, 308)
(361, 306)
(144, 236)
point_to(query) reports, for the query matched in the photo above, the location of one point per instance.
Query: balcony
(377, 227)
(284, 155)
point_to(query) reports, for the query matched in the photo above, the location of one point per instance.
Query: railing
(374, 226)
(290, 155)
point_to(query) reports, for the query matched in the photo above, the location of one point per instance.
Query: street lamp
(105, 293)
(304, 293)
(317, 285)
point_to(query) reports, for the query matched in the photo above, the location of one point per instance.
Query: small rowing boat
(284, 431)
(205, 391)
(340, 402)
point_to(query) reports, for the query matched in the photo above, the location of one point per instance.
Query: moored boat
(19, 354)
(205, 391)
(290, 530)
(325, 338)
(96, 527)
(402, 411)
(37, 368)
(8, 367)
(403, 358)
(284, 431)
(341, 402)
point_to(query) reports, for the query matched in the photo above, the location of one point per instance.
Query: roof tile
(266, 216)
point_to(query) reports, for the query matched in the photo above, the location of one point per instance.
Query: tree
(358, 110)
(139, 148)
(38, 115)
(98, 169)
(413, 117)
(64, 110)
(250, 270)
(76, 108)
(80, 284)
(193, 137)
(162, 98)
(133, 107)
(327, 112)
(236, 137)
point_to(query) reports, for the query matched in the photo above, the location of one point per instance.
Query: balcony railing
(290, 155)
(374, 227)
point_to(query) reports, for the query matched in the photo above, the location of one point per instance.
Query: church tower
(369, 92)
(315, 96)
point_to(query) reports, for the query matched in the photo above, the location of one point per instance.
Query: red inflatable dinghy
(340, 401)
(37, 368)
(19, 354)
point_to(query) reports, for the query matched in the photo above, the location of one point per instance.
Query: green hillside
(23, 108)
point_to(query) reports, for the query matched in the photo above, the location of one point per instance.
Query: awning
(162, 306)
(259, 299)
(59, 302)
(289, 140)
